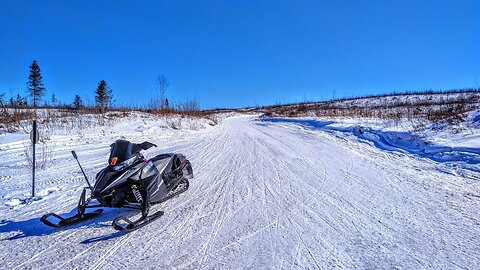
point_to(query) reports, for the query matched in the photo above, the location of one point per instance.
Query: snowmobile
(130, 181)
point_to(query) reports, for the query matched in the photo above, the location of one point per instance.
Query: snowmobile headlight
(125, 164)
(118, 167)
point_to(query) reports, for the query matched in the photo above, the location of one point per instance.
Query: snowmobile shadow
(103, 238)
(24, 228)
(393, 141)
(34, 227)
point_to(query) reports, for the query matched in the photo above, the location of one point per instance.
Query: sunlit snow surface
(267, 194)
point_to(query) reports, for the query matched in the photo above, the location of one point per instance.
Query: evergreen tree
(20, 101)
(54, 100)
(35, 85)
(103, 96)
(166, 102)
(77, 102)
(2, 101)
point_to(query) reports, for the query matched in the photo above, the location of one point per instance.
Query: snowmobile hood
(108, 179)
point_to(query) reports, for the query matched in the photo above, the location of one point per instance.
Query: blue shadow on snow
(403, 142)
(34, 227)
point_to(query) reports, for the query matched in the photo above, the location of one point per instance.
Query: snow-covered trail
(265, 195)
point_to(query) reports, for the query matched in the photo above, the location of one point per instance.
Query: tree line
(103, 94)
(103, 102)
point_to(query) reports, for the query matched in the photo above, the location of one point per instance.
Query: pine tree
(20, 101)
(77, 102)
(103, 96)
(54, 100)
(166, 102)
(35, 84)
(2, 102)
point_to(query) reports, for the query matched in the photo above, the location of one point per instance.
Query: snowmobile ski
(130, 226)
(70, 220)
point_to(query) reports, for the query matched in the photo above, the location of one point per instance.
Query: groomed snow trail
(265, 196)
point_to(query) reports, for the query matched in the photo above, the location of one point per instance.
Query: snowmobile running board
(134, 225)
(71, 220)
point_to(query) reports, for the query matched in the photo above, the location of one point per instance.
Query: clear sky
(239, 53)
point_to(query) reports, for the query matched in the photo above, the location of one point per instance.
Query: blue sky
(240, 53)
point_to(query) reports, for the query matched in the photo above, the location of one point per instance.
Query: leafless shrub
(194, 125)
(13, 119)
(117, 114)
(174, 123)
(449, 107)
(43, 154)
(214, 119)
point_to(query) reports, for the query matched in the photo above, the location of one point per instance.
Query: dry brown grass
(450, 107)
(15, 118)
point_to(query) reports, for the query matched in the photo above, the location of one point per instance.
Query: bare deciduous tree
(162, 87)
(2, 105)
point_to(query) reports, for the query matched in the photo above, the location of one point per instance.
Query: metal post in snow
(34, 138)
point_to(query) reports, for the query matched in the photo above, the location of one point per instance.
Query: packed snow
(268, 193)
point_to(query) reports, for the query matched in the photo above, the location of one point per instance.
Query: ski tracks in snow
(277, 196)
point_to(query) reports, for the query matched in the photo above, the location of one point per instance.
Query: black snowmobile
(130, 181)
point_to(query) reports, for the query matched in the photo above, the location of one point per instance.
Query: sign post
(34, 136)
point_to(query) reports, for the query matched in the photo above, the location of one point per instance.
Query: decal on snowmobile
(114, 161)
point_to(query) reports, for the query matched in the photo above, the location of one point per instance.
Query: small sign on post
(34, 137)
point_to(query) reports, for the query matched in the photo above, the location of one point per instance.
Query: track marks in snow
(282, 197)
(111, 251)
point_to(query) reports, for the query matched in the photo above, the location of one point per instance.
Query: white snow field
(267, 194)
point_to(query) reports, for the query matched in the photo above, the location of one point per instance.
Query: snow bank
(442, 146)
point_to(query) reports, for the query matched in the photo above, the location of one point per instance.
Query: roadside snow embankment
(438, 145)
(90, 136)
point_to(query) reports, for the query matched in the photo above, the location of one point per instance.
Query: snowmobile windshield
(120, 151)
